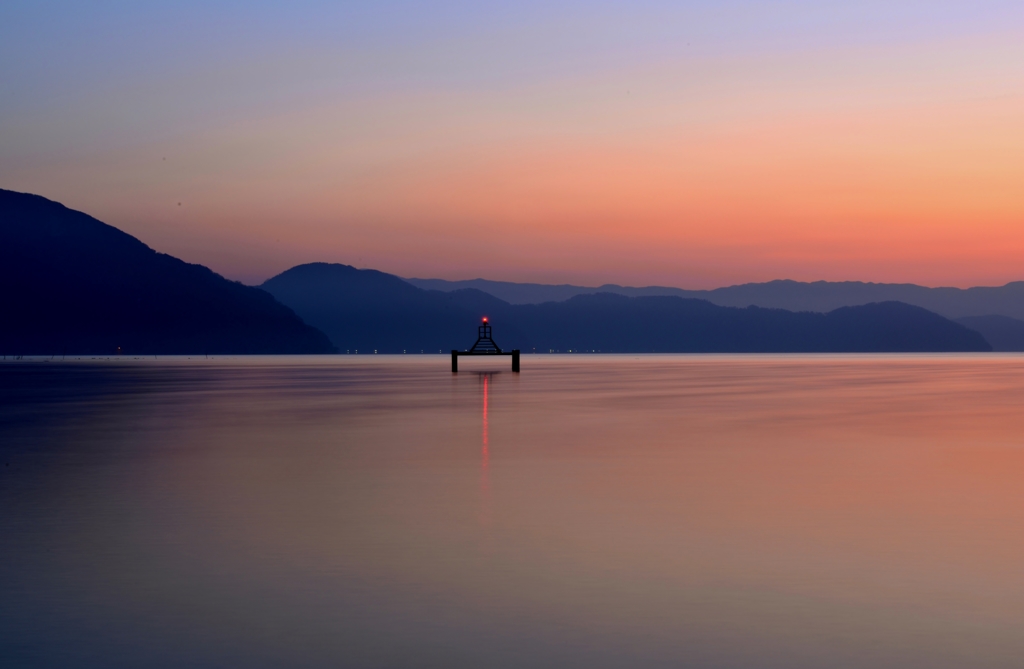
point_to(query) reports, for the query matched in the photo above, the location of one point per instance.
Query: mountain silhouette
(74, 285)
(1002, 332)
(370, 310)
(365, 310)
(820, 296)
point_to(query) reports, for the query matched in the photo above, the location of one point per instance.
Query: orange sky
(638, 147)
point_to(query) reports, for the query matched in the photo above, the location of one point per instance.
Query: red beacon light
(485, 346)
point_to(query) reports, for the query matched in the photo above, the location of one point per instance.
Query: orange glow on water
(771, 503)
(485, 464)
(485, 454)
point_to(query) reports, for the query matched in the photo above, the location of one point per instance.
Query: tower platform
(485, 345)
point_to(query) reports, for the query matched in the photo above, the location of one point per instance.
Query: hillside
(1002, 332)
(370, 310)
(367, 310)
(820, 296)
(72, 284)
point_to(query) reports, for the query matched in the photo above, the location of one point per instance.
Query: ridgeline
(370, 310)
(74, 285)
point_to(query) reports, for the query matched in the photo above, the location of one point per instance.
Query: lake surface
(593, 511)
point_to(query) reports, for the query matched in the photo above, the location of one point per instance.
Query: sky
(690, 144)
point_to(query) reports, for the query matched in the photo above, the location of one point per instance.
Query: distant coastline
(77, 286)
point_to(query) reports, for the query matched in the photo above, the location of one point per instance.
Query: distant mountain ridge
(820, 296)
(72, 284)
(370, 310)
(1002, 332)
(75, 285)
(367, 310)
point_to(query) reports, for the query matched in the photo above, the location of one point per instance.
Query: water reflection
(485, 459)
(663, 511)
(486, 379)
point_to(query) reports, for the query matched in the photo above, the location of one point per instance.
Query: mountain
(72, 284)
(609, 322)
(366, 310)
(370, 310)
(1002, 332)
(537, 293)
(1006, 300)
(821, 296)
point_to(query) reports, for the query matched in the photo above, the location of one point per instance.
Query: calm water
(662, 511)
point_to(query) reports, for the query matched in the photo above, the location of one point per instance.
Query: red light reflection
(485, 457)
(485, 454)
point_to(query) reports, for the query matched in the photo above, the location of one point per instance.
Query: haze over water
(599, 511)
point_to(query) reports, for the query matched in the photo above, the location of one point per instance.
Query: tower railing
(485, 345)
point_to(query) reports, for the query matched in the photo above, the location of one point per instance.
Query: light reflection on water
(485, 461)
(734, 511)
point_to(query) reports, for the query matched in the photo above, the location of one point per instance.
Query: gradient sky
(693, 144)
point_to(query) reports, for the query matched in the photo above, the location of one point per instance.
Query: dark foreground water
(663, 511)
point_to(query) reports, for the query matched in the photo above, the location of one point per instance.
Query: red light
(485, 319)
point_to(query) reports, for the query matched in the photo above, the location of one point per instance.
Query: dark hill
(821, 296)
(73, 284)
(1002, 332)
(369, 310)
(610, 322)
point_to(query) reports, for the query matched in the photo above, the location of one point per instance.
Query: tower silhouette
(485, 345)
(484, 342)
